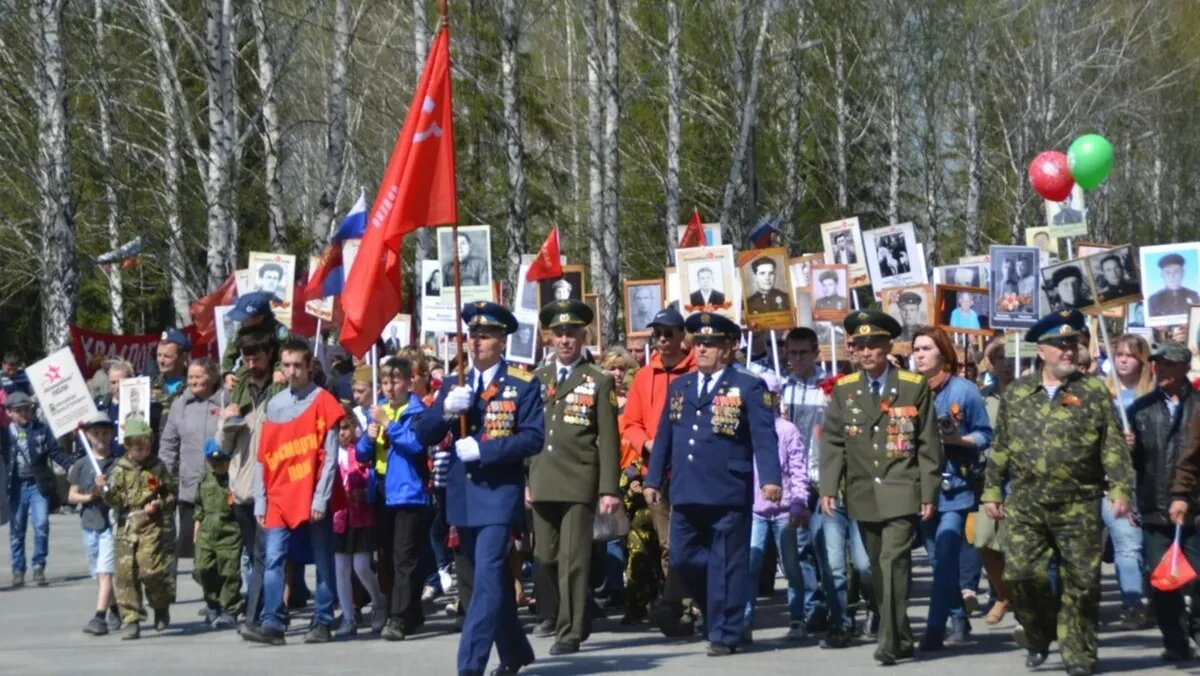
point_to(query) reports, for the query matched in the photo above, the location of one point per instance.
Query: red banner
(138, 350)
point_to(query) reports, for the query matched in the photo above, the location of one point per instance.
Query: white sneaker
(796, 632)
(447, 579)
(428, 594)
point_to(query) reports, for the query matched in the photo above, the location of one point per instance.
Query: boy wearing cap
(1058, 444)
(29, 446)
(98, 541)
(218, 542)
(143, 492)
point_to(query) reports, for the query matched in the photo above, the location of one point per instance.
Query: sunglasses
(665, 333)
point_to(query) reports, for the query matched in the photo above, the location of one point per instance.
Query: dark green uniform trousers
(1036, 534)
(562, 545)
(889, 545)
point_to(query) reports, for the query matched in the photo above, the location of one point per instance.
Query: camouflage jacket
(1057, 450)
(131, 487)
(218, 527)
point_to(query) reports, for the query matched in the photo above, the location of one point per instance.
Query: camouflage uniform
(144, 542)
(1057, 452)
(218, 567)
(643, 565)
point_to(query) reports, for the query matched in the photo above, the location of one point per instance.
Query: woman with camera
(966, 433)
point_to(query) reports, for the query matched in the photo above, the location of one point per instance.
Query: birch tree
(673, 130)
(595, 135)
(222, 140)
(272, 132)
(610, 285)
(514, 141)
(104, 121)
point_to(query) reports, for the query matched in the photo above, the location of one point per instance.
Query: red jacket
(647, 397)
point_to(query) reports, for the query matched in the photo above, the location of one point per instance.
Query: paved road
(40, 633)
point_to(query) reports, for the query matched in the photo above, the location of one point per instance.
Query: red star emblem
(53, 374)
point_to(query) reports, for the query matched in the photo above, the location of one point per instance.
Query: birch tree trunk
(595, 124)
(104, 121)
(746, 115)
(974, 163)
(59, 272)
(673, 129)
(793, 178)
(420, 50)
(336, 126)
(609, 290)
(576, 181)
(222, 133)
(272, 133)
(514, 143)
(841, 116)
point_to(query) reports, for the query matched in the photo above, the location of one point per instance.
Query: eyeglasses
(665, 333)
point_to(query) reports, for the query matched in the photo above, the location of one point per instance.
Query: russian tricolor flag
(760, 237)
(328, 278)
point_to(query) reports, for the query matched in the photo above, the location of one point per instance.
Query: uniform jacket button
(550, 448)
(690, 457)
(468, 475)
(691, 442)
(878, 480)
(695, 428)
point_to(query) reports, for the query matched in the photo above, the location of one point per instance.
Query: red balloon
(1050, 176)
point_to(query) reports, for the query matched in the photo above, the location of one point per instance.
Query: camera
(946, 426)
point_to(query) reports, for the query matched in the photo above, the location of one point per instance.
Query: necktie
(876, 388)
(705, 383)
(562, 374)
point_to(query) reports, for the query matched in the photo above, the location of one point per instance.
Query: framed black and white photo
(526, 297)
(973, 274)
(1015, 301)
(568, 287)
(474, 246)
(226, 327)
(829, 335)
(830, 289)
(1069, 217)
(1170, 279)
(893, 258)
(912, 306)
(1114, 276)
(522, 345)
(708, 281)
(1065, 287)
(437, 311)
(643, 300)
(274, 274)
(767, 302)
(963, 309)
(396, 334)
(844, 246)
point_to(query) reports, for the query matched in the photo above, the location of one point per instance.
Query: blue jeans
(1127, 555)
(320, 536)
(614, 569)
(28, 504)
(834, 533)
(806, 549)
(785, 543)
(970, 568)
(943, 542)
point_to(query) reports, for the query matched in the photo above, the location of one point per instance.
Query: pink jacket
(792, 462)
(352, 476)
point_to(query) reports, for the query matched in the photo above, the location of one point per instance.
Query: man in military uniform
(880, 447)
(1174, 298)
(1056, 445)
(766, 298)
(717, 427)
(578, 465)
(1113, 282)
(497, 421)
(911, 317)
(830, 298)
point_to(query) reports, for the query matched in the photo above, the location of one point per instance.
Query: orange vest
(292, 454)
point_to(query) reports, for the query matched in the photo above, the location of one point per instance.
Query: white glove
(458, 400)
(467, 449)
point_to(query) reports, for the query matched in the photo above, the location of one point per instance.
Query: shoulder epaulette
(910, 377)
(520, 374)
(848, 379)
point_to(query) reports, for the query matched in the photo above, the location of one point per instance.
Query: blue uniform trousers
(492, 612)
(710, 547)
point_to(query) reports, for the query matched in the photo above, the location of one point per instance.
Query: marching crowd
(666, 490)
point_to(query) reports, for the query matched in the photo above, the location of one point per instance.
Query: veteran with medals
(718, 425)
(485, 493)
(880, 445)
(578, 466)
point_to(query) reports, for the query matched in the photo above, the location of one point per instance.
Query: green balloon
(1090, 158)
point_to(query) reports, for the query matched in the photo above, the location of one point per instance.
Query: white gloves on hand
(458, 400)
(467, 449)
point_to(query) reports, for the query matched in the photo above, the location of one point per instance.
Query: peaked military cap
(568, 312)
(708, 326)
(909, 298)
(871, 323)
(1170, 259)
(484, 314)
(1062, 324)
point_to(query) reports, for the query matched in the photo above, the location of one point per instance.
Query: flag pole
(458, 340)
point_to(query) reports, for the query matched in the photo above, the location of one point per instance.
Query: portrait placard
(523, 345)
(643, 300)
(963, 309)
(912, 306)
(767, 303)
(830, 291)
(1065, 287)
(437, 311)
(571, 286)
(396, 333)
(1114, 276)
(1015, 300)
(844, 246)
(1069, 217)
(798, 268)
(474, 243)
(972, 274)
(1045, 240)
(894, 259)
(133, 403)
(275, 274)
(829, 334)
(226, 327)
(1170, 277)
(708, 281)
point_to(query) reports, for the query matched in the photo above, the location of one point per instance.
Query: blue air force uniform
(708, 441)
(486, 497)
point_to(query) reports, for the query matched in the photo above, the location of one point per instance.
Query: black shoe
(393, 630)
(506, 669)
(1132, 618)
(720, 650)
(931, 643)
(634, 616)
(816, 623)
(113, 620)
(211, 615)
(1168, 655)
(1079, 670)
(162, 619)
(836, 639)
(906, 653)
(884, 657)
(1034, 658)
(564, 648)
(96, 627)
(545, 629)
(256, 633)
(39, 577)
(318, 634)
(18, 580)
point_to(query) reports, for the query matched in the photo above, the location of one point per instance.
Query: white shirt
(559, 366)
(882, 380)
(716, 375)
(488, 376)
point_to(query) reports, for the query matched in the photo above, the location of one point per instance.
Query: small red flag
(203, 310)
(417, 190)
(548, 264)
(693, 236)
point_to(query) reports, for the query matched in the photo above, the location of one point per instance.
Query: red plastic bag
(1174, 571)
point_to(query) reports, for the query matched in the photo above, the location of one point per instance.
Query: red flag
(203, 310)
(548, 264)
(417, 190)
(694, 234)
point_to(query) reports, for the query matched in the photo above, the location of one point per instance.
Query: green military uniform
(768, 301)
(580, 462)
(144, 541)
(644, 574)
(218, 567)
(884, 453)
(1056, 449)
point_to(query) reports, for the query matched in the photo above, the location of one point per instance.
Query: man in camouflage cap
(1057, 443)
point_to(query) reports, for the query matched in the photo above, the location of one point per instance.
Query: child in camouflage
(143, 492)
(218, 540)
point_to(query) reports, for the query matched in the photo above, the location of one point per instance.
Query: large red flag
(203, 310)
(548, 264)
(417, 190)
(694, 234)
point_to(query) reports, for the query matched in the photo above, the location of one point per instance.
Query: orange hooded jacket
(644, 404)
